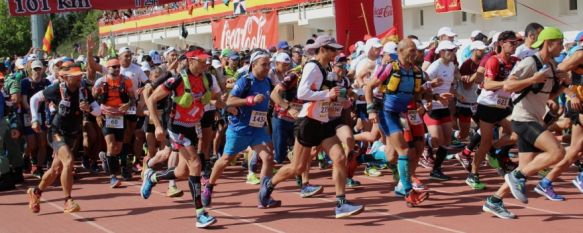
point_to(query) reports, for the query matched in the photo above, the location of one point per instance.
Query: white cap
(495, 38)
(169, 50)
(36, 64)
(155, 57)
(359, 47)
(390, 48)
(445, 45)
(19, 63)
(374, 43)
(145, 66)
(80, 58)
(32, 57)
(475, 33)
(283, 57)
(216, 64)
(419, 45)
(124, 50)
(479, 45)
(445, 31)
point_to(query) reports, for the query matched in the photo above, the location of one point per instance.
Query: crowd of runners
(511, 102)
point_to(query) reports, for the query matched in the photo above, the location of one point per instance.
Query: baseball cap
(283, 45)
(374, 43)
(479, 45)
(475, 33)
(169, 50)
(445, 31)
(495, 38)
(579, 37)
(549, 33)
(72, 70)
(445, 45)
(32, 57)
(283, 57)
(198, 54)
(419, 45)
(124, 50)
(19, 63)
(325, 40)
(36, 64)
(146, 66)
(216, 64)
(234, 56)
(390, 47)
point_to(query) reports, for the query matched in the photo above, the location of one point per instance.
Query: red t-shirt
(497, 73)
(187, 116)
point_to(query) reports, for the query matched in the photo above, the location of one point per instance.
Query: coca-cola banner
(29, 7)
(246, 32)
(382, 15)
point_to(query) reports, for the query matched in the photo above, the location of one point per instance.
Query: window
(572, 5)
(421, 23)
(464, 17)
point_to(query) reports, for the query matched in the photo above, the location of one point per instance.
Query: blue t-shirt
(240, 123)
(397, 102)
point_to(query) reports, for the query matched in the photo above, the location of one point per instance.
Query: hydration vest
(391, 84)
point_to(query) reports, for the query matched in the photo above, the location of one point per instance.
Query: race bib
(502, 101)
(258, 119)
(114, 122)
(414, 117)
(474, 108)
(27, 120)
(209, 107)
(336, 109)
(296, 106)
(131, 110)
(324, 109)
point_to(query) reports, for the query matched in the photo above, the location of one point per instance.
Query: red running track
(453, 207)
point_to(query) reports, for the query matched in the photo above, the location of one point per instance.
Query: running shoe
(348, 209)
(265, 200)
(395, 172)
(465, 160)
(372, 171)
(399, 190)
(517, 186)
(352, 183)
(114, 182)
(310, 190)
(473, 181)
(414, 198)
(205, 220)
(427, 159)
(71, 206)
(437, 174)
(497, 209)
(417, 184)
(174, 191)
(456, 144)
(206, 196)
(493, 161)
(253, 179)
(33, 200)
(548, 192)
(578, 183)
(147, 184)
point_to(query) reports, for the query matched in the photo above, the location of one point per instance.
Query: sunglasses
(38, 69)
(115, 67)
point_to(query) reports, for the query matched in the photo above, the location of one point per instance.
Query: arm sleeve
(34, 105)
(307, 86)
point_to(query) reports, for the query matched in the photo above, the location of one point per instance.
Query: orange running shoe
(71, 206)
(33, 200)
(414, 198)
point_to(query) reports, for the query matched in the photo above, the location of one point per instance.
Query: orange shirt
(113, 90)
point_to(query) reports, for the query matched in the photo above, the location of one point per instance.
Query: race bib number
(414, 117)
(27, 120)
(474, 108)
(131, 110)
(258, 119)
(324, 109)
(336, 109)
(502, 101)
(114, 122)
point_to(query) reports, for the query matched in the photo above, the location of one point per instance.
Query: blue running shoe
(517, 186)
(578, 183)
(205, 220)
(147, 184)
(348, 209)
(114, 182)
(399, 190)
(548, 192)
(497, 209)
(311, 190)
(265, 200)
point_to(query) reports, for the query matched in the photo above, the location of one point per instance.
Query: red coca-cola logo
(383, 12)
(251, 35)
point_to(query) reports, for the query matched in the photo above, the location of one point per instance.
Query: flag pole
(365, 20)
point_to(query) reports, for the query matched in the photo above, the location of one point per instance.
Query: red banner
(30, 7)
(246, 32)
(444, 6)
(355, 19)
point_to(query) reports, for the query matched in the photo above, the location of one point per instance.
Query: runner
(313, 128)
(66, 101)
(190, 94)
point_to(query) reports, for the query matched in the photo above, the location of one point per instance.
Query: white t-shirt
(317, 101)
(215, 89)
(523, 52)
(446, 72)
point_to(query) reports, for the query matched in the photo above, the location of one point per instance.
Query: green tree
(15, 32)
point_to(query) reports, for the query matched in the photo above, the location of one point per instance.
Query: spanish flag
(48, 38)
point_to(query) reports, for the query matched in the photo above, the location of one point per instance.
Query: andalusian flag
(48, 38)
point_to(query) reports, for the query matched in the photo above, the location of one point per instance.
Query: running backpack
(536, 88)
(186, 99)
(392, 83)
(123, 92)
